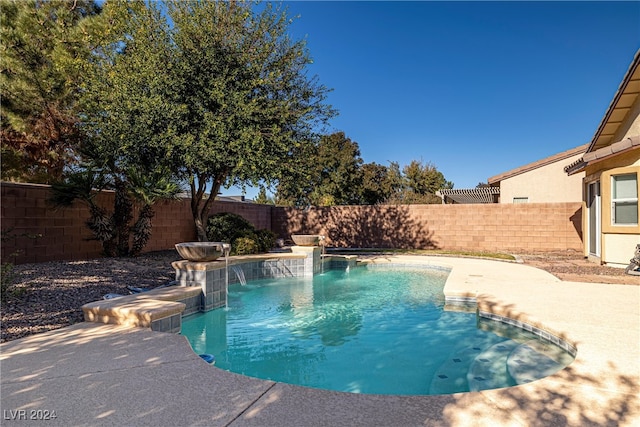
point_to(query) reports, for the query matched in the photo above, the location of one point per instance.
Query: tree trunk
(201, 229)
(142, 230)
(200, 206)
(122, 215)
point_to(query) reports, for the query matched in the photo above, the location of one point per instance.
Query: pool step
(451, 376)
(158, 309)
(489, 368)
(534, 360)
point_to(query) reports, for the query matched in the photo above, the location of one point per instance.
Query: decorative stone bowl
(200, 251)
(306, 239)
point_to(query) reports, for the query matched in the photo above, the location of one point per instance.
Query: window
(520, 200)
(624, 199)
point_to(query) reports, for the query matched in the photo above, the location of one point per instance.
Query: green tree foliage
(329, 174)
(333, 173)
(337, 172)
(248, 102)
(424, 178)
(380, 183)
(128, 113)
(421, 181)
(41, 43)
(262, 198)
(123, 104)
(221, 96)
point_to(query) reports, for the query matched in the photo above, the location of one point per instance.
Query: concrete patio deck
(93, 375)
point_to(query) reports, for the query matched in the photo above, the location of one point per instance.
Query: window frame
(624, 200)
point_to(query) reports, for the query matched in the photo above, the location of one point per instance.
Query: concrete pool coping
(92, 374)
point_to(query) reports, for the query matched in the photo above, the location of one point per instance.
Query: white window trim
(621, 200)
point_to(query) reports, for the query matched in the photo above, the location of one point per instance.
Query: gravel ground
(48, 296)
(571, 266)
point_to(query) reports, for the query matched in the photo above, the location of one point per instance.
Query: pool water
(368, 330)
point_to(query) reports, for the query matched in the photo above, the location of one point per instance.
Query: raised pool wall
(202, 286)
(211, 277)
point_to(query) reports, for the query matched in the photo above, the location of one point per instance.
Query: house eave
(628, 91)
(603, 153)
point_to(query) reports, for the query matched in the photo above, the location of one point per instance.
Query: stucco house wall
(546, 184)
(543, 181)
(614, 150)
(630, 126)
(617, 242)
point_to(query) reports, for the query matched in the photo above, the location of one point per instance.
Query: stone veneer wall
(492, 227)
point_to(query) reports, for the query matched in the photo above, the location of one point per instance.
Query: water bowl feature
(200, 251)
(306, 239)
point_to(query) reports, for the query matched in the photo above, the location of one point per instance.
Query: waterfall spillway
(278, 268)
(226, 248)
(239, 274)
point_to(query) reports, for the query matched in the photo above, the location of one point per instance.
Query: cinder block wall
(487, 227)
(494, 227)
(64, 235)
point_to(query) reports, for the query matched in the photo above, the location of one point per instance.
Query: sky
(474, 88)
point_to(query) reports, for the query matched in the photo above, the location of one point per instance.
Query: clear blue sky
(476, 88)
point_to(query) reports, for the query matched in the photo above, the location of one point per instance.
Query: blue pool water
(368, 330)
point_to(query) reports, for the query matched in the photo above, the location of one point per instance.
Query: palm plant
(113, 230)
(84, 185)
(148, 189)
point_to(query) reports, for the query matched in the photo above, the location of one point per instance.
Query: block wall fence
(25, 209)
(488, 227)
(540, 227)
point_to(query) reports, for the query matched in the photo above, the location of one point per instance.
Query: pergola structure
(469, 195)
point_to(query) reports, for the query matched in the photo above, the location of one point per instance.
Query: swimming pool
(381, 330)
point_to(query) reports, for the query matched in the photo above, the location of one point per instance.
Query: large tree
(248, 102)
(421, 181)
(379, 183)
(215, 91)
(41, 43)
(329, 174)
(125, 105)
(332, 173)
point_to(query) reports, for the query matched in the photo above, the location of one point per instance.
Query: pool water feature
(379, 330)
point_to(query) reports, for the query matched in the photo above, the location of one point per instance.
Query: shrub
(266, 239)
(227, 227)
(243, 236)
(245, 246)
